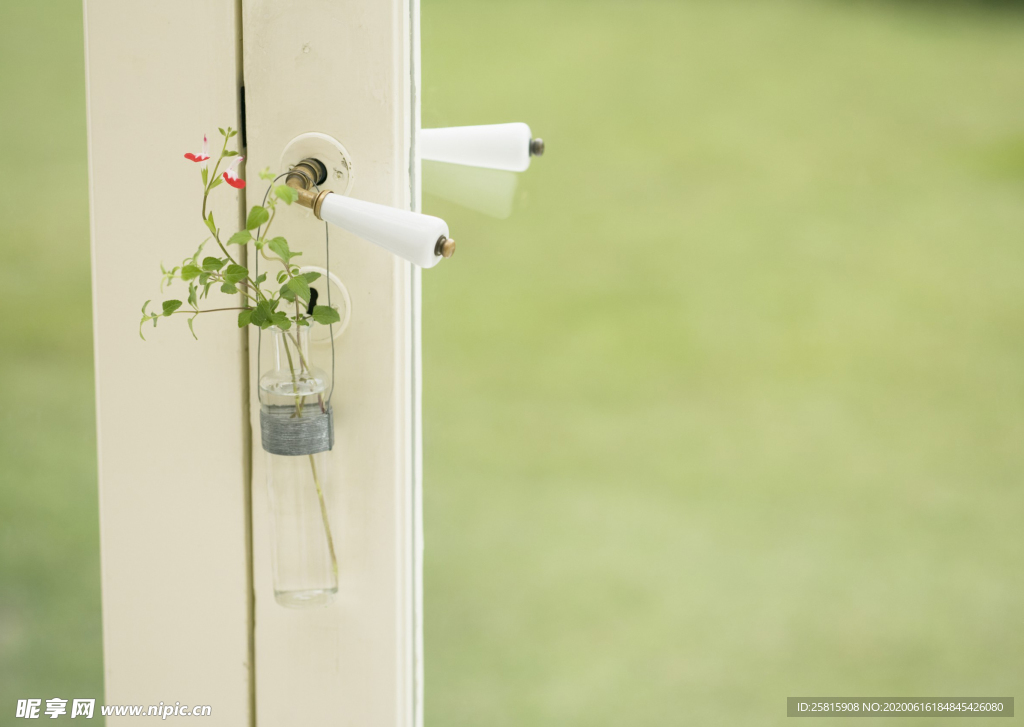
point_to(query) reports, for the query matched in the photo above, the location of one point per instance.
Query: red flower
(200, 157)
(231, 175)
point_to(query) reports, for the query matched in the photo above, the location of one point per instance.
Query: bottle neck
(291, 349)
(291, 373)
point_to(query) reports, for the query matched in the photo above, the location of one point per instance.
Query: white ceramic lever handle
(497, 146)
(407, 234)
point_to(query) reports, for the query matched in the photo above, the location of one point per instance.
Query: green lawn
(730, 410)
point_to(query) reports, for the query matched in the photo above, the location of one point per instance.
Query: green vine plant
(283, 303)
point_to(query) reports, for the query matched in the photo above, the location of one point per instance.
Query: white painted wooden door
(188, 606)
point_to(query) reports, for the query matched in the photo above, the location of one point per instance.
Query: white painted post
(172, 412)
(345, 68)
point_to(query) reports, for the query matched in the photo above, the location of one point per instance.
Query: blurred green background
(730, 410)
(50, 637)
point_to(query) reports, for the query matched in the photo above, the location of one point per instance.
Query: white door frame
(188, 607)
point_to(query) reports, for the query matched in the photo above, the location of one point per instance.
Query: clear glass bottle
(297, 434)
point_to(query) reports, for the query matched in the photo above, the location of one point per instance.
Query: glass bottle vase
(297, 433)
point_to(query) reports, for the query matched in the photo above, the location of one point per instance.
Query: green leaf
(222, 132)
(206, 176)
(285, 193)
(267, 174)
(190, 271)
(211, 264)
(300, 287)
(261, 279)
(235, 273)
(279, 246)
(257, 216)
(282, 276)
(192, 295)
(310, 277)
(144, 306)
(210, 224)
(192, 330)
(170, 306)
(325, 315)
(240, 238)
(216, 182)
(262, 313)
(228, 288)
(280, 319)
(244, 317)
(231, 153)
(288, 294)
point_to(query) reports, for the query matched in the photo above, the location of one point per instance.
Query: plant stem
(206, 194)
(212, 177)
(193, 312)
(291, 367)
(312, 462)
(323, 514)
(266, 228)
